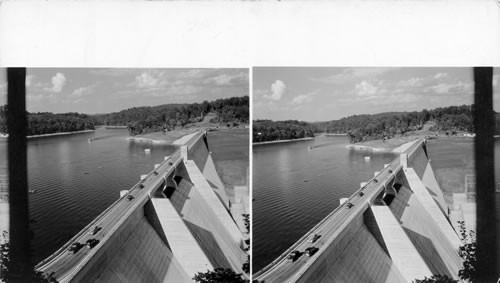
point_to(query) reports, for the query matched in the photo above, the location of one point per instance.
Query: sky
(90, 91)
(322, 94)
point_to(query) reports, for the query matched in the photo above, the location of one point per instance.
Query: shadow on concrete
(209, 245)
(400, 202)
(428, 252)
(179, 196)
(418, 161)
(152, 217)
(371, 225)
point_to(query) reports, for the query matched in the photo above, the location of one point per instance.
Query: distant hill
(387, 125)
(141, 120)
(166, 117)
(376, 126)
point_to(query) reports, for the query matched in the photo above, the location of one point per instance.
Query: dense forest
(228, 111)
(369, 127)
(267, 130)
(387, 125)
(49, 123)
(140, 120)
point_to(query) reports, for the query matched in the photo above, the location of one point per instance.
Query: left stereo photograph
(130, 175)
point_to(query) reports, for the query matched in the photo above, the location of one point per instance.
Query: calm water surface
(294, 188)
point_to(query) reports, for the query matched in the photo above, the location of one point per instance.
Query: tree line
(387, 125)
(48, 123)
(267, 130)
(141, 120)
(369, 127)
(230, 111)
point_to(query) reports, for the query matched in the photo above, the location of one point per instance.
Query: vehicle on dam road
(293, 256)
(75, 247)
(313, 238)
(92, 243)
(349, 205)
(311, 250)
(94, 230)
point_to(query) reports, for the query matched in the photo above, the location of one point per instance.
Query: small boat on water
(31, 191)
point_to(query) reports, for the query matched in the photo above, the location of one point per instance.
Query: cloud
(278, 88)
(452, 88)
(353, 74)
(58, 82)
(412, 82)
(146, 80)
(228, 79)
(82, 91)
(440, 75)
(367, 88)
(195, 73)
(301, 99)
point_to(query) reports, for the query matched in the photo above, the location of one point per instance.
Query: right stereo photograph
(364, 174)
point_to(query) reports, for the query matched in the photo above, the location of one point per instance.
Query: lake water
(294, 188)
(76, 180)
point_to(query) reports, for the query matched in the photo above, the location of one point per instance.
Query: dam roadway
(64, 264)
(282, 270)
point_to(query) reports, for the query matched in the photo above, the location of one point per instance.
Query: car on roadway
(75, 247)
(313, 238)
(293, 256)
(311, 250)
(92, 243)
(130, 197)
(94, 230)
(349, 205)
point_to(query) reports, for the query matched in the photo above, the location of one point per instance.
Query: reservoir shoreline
(282, 141)
(5, 136)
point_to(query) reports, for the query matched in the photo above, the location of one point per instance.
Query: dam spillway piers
(171, 225)
(395, 228)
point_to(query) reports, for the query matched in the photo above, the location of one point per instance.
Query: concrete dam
(395, 228)
(171, 225)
